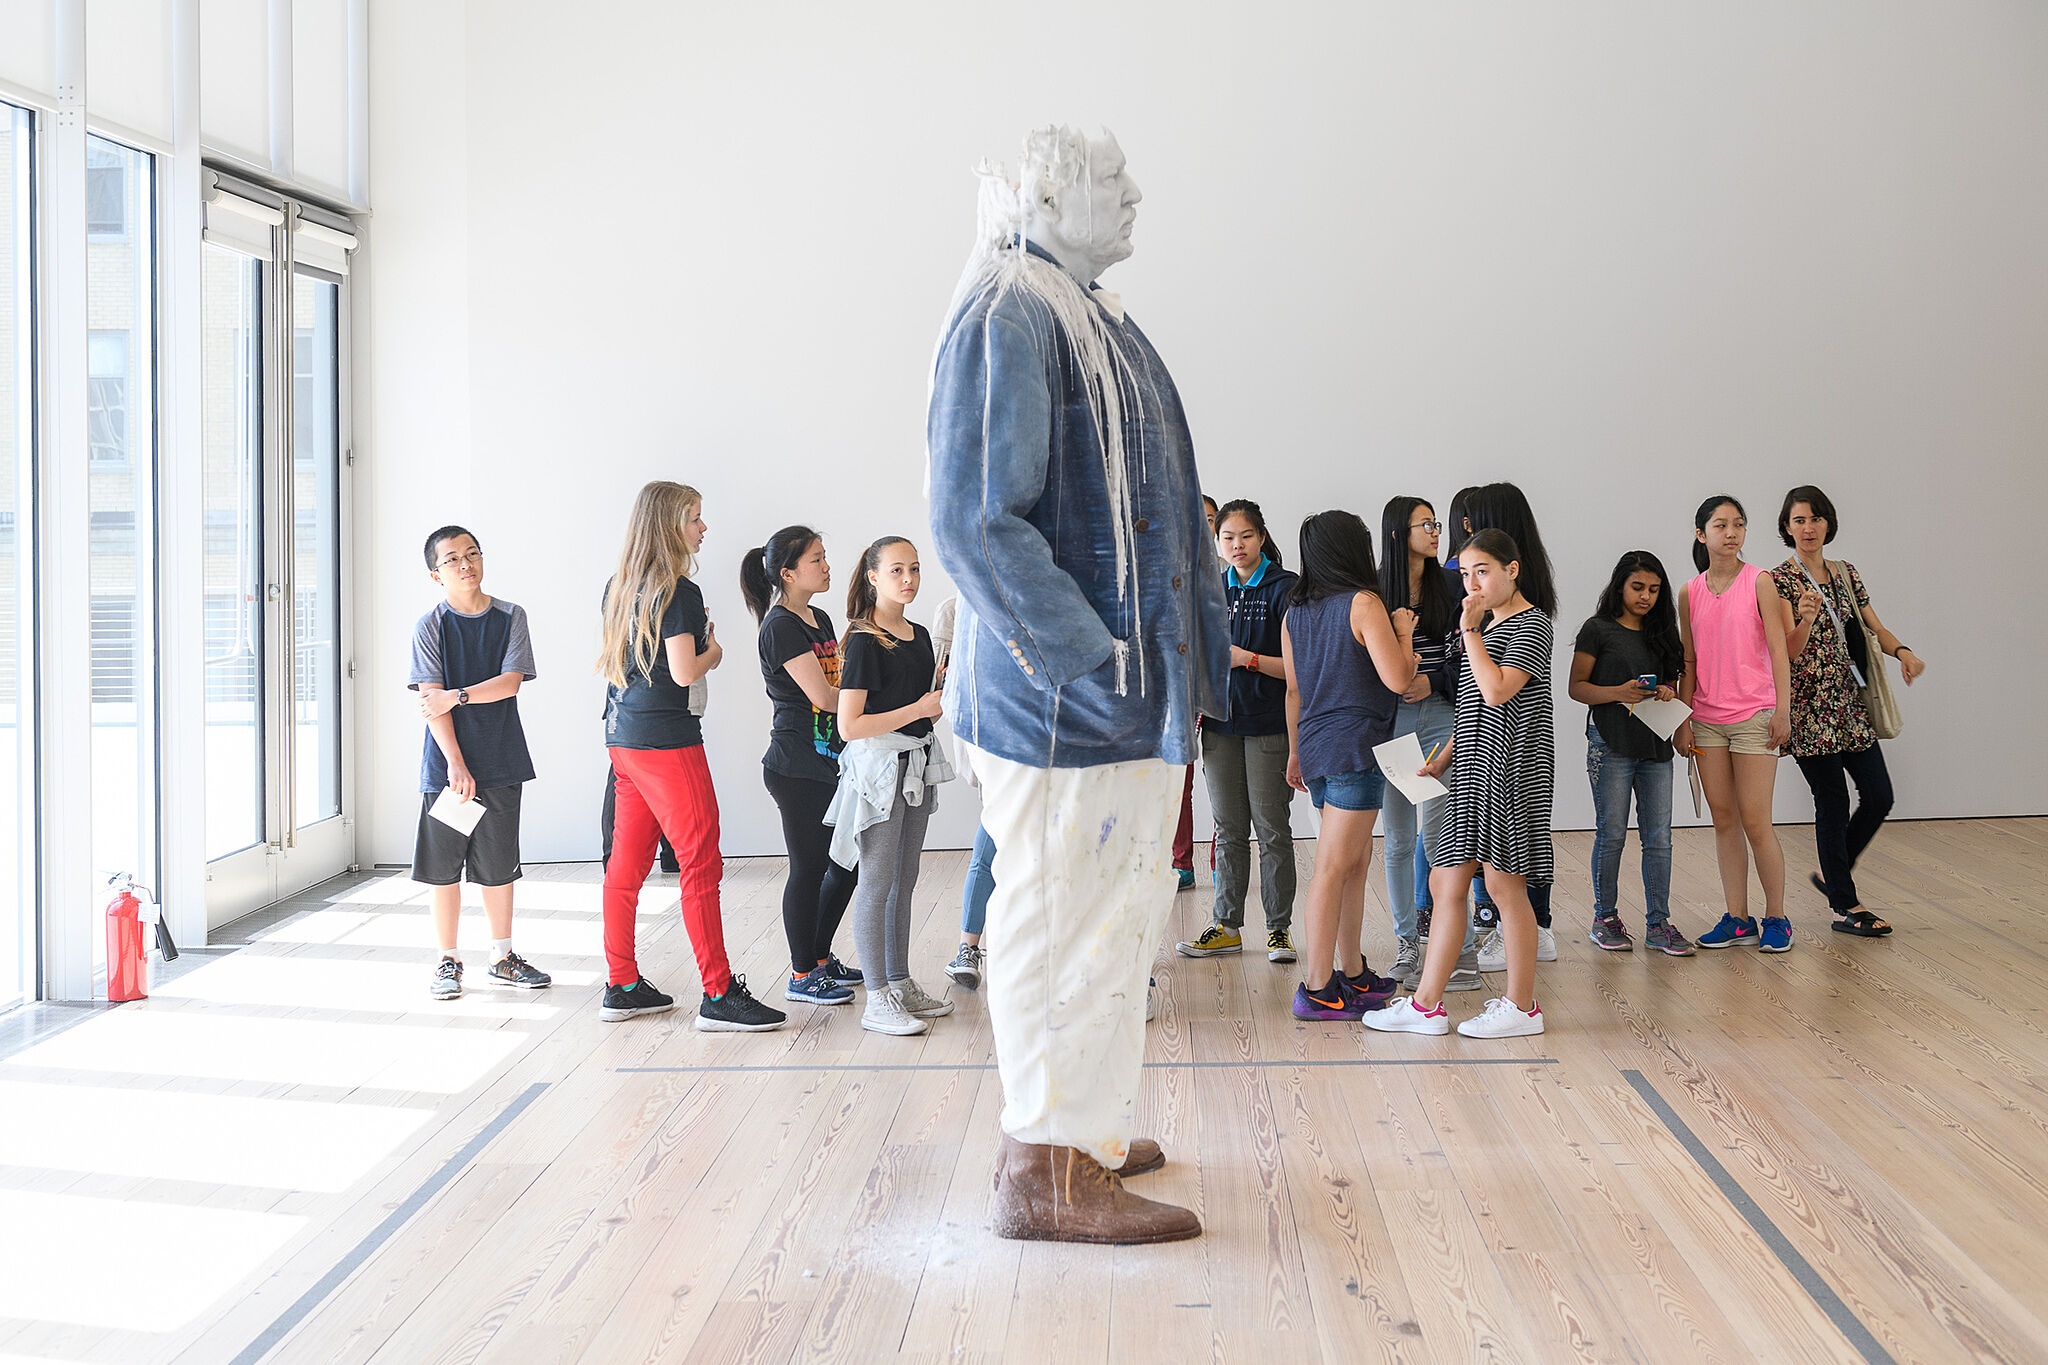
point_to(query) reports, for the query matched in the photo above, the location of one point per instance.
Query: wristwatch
(462, 696)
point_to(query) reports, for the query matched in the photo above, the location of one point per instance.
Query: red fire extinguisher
(127, 959)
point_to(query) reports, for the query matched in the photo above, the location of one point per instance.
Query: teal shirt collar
(1258, 574)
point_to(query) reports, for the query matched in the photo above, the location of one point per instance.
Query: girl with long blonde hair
(659, 646)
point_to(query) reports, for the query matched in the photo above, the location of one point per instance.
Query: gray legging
(889, 855)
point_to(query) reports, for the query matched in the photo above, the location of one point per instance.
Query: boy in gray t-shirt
(469, 656)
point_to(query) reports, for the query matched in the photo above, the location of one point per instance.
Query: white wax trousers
(1082, 896)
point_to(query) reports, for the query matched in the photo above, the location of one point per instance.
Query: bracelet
(1903, 649)
(1475, 630)
(1254, 664)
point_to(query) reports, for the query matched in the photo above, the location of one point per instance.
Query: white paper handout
(1400, 760)
(458, 814)
(1662, 717)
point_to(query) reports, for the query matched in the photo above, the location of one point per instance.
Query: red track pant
(1184, 832)
(665, 791)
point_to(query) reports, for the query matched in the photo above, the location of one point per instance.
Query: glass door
(18, 938)
(275, 421)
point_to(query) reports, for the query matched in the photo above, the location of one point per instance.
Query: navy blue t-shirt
(452, 650)
(1258, 704)
(652, 711)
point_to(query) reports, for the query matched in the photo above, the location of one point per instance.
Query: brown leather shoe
(1144, 1158)
(1061, 1194)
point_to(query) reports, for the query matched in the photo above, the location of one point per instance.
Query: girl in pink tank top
(1738, 682)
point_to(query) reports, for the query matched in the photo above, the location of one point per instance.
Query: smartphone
(1647, 681)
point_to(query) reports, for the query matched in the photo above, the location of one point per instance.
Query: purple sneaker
(1335, 1001)
(1374, 990)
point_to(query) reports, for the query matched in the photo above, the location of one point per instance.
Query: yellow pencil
(1432, 754)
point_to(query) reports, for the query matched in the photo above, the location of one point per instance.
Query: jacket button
(1143, 523)
(1180, 649)
(1176, 580)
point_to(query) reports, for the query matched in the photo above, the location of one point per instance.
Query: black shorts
(490, 852)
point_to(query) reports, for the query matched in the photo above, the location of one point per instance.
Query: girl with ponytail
(1738, 682)
(799, 654)
(888, 777)
(658, 645)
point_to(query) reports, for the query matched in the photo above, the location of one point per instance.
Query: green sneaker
(1216, 940)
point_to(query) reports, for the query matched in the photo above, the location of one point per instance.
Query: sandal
(1818, 884)
(1861, 923)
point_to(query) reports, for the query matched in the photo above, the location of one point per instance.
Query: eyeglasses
(1430, 526)
(472, 559)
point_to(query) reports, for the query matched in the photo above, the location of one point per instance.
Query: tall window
(316, 546)
(232, 497)
(17, 581)
(121, 279)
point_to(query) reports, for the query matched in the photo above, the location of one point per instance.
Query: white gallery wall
(1627, 256)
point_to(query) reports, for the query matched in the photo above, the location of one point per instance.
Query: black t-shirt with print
(892, 678)
(802, 740)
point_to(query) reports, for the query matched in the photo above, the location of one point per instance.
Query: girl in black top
(1630, 641)
(889, 685)
(800, 666)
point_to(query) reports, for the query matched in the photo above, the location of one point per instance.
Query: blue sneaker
(1777, 935)
(1185, 877)
(1731, 931)
(839, 972)
(816, 987)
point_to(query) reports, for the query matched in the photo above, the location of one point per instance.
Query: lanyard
(1827, 601)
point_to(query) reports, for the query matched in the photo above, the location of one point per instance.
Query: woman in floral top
(1832, 735)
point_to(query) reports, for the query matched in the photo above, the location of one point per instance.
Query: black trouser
(1838, 836)
(604, 826)
(815, 896)
(1487, 916)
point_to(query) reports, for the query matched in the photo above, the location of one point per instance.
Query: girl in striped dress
(1506, 769)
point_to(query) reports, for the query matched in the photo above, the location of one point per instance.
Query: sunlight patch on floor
(126, 1265)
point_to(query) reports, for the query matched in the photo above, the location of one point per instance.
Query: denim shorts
(1349, 791)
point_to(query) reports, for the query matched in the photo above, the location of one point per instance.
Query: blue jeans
(1614, 780)
(1431, 721)
(981, 883)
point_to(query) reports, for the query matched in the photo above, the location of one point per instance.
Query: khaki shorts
(1750, 736)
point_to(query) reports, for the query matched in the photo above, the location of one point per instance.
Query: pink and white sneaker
(1503, 1018)
(1402, 1016)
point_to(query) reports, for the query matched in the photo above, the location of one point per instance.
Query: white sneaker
(884, 1013)
(1151, 999)
(920, 1004)
(1493, 952)
(1503, 1018)
(1546, 945)
(1401, 1016)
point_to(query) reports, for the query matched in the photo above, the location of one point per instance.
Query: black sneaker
(623, 1002)
(447, 982)
(737, 1011)
(514, 970)
(816, 988)
(838, 971)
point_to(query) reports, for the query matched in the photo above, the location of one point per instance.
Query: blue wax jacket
(1022, 522)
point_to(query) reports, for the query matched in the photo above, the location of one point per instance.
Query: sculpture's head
(1078, 199)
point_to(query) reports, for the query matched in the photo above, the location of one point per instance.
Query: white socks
(501, 948)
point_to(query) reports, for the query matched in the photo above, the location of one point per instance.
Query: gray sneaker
(918, 1003)
(447, 982)
(1407, 963)
(1665, 938)
(1466, 977)
(965, 968)
(1607, 932)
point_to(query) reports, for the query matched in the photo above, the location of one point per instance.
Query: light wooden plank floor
(1882, 1105)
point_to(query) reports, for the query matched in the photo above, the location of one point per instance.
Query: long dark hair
(1501, 507)
(1454, 519)
(1705, 515)
(1249, 510)
(1436, 613)
(1336, 556)
(1660, 625)
(761, 570)
(861, 598)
